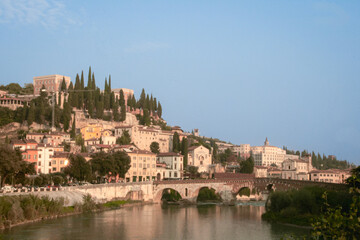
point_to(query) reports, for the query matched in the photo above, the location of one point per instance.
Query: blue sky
(237, 70)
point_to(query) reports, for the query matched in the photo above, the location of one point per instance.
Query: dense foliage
(206, 194)
(170, 195)
(322, 162)
(12, 165)
(300, 206)
(101, 165)
(15, 88)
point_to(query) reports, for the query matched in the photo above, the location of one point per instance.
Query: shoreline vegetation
(301, 207)
(18, 210)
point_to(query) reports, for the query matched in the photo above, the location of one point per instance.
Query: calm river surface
(157, 222)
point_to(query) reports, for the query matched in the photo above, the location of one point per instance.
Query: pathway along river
(159, 222)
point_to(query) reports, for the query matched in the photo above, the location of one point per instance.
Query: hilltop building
(267, 155)
(52, 83)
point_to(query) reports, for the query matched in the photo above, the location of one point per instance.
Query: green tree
(115, 112)
(159, 110)
(122, 98)
(176, 143)
(73, 129)
(125, 138)
(31, 115)
(247, 166)
(154, 147)
(11, 163)
(184, 151)
(123, 113)
(78, 168)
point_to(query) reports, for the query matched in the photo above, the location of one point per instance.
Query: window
(39, 155)
(134, 165)
(175, 174)
(54, 168)
(39, 163)
(169, 174)
(140, 165)
(49, 163)
(61, 162)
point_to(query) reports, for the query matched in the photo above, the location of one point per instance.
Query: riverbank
(20, 210)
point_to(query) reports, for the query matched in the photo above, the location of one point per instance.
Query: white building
(45, 154)
(296, 169)
(174, 165)
(266, 155)
(201, 157)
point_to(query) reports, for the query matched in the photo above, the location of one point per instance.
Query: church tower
(266, 143)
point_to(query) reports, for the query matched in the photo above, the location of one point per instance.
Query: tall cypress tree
(184, 151)
(159, 110)
(76, 94)
(176, 142)
(93, 84)
(141, 102)
(89, 83)
(73, 129)
(129, 103)
(123, 113)
(115, 111)
(31, 114)
(122, 99)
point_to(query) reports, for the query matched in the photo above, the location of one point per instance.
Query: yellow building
(143, 166)
(91, 131)
(60, 160)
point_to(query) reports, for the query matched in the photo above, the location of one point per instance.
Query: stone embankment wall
(100, 192)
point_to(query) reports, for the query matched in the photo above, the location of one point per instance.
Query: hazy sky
(237, 70)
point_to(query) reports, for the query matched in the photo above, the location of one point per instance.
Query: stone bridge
(188, 189)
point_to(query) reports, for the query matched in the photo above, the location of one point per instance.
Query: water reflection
(156, 222)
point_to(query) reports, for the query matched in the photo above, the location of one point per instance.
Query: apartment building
(52, 83)
(143, 166)
(267, 155)
(173, 165)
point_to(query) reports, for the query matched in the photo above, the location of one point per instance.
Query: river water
(159, 222)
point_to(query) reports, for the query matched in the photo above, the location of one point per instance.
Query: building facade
(142, 166)
(52, 83)
(201, 157)
(173, 165)
(267, 155)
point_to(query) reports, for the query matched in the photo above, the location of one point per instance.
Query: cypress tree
(147, 102)
(24, 113)
(159, 110)
(155, 104)
(129, 103)
(59, 99)
(122, 99)
(63, 85)
(112, 100)
(91, 105)
(123, 113)
(115, 111)
(184, 151)
(176, 142)
(109, 87)
(93, 84)
(76, 94)
(81, 93)
(133, 102)
(89, 84)
(66, 116)
(141, 102)
(73, 129)
(31, 114)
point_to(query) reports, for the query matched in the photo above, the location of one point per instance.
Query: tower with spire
(266, 143)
